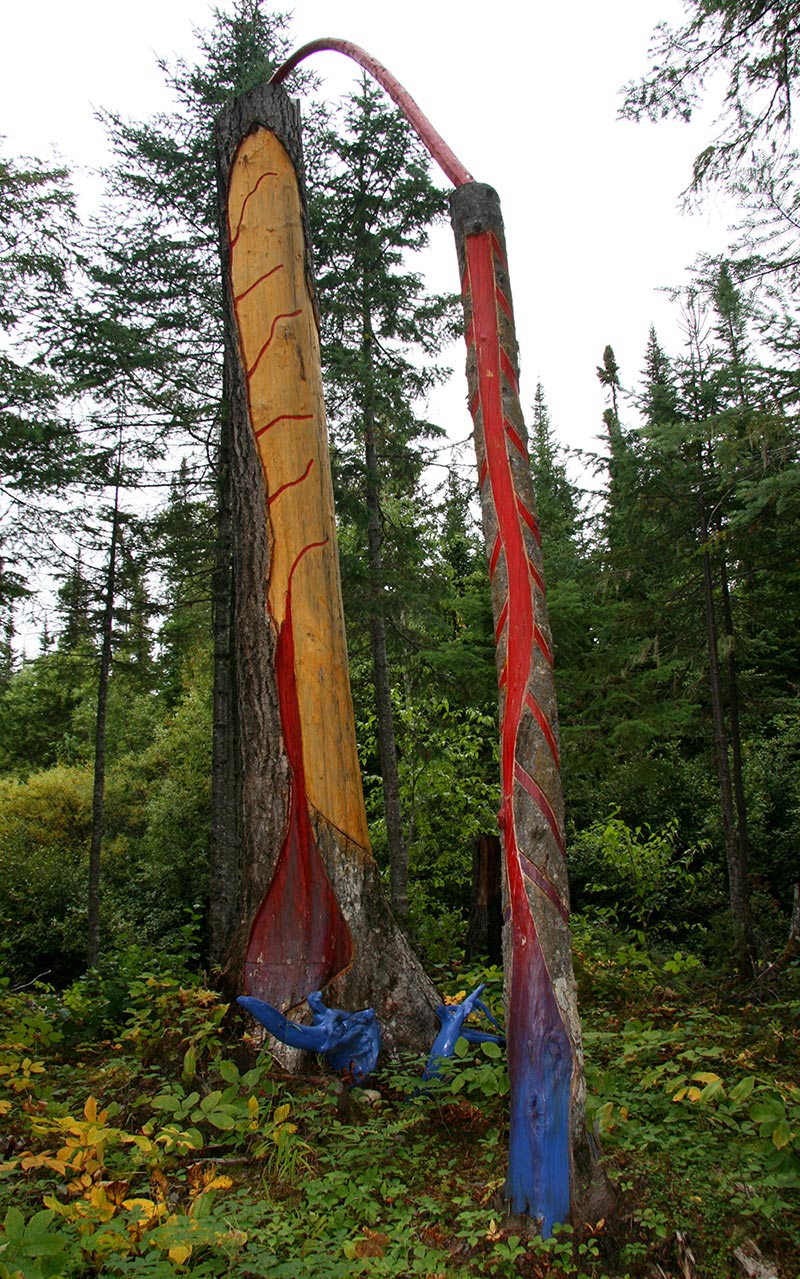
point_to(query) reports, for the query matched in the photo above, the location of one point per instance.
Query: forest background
(672, 568)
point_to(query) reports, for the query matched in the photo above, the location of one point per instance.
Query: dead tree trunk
(485, 931)
(313, 914)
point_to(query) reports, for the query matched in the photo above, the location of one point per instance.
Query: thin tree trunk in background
(737, 870)
(225, 850)
(98, 791)
(485, 931)
(387, 746)
(733, 713)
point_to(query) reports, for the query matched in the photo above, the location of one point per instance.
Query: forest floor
(141, 1135)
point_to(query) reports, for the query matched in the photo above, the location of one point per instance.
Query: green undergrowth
(163, 1143)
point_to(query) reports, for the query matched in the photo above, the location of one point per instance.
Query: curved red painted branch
(435, 143)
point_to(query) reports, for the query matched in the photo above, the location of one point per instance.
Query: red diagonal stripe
(545, 885)
(538, 638)
(529, 520)
(498, 251)
(515, 439)
(508, 369)
(528, 784)
(497, 548)
(501, 621)
(503, 302)
(541, 720)
(536, 575)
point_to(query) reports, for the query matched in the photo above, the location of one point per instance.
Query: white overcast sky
(526, 96)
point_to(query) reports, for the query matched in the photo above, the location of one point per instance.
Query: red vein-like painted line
(541, 719)
(233, 239)
(310, 546)
(543, 803)
(290, 484)
(286, 315)
(256, 283)
(284, 417)
(545, 885)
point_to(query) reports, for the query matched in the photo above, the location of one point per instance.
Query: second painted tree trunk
(551, 1170)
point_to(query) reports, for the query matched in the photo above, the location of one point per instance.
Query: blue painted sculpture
(452, 1018)
(350, 1042)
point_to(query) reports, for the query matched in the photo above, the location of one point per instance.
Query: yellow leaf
(180, 1252)
(220, 1183)
(281, 1114)
(5, 1106)
(145, 1207)
(706, 1077)
(694, 1094)
(90, 1110)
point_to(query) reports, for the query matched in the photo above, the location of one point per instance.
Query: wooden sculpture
(302, 936)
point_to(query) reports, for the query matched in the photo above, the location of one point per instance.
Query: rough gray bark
(385, 973)
(225, 848)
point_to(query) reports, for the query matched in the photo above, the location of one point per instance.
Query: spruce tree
(370, 206)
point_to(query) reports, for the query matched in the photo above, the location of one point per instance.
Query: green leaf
(229, 1072)
(189, 1063)
(766, 1112)
(742, 1090)
(781, 1135)
(222, 1120)
(14, 1225)
(461, 1048)
(491, 1049)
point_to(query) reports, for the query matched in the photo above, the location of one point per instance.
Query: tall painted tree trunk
(552, 1171)
(312, 911)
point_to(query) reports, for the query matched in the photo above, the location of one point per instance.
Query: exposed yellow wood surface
(279, 345)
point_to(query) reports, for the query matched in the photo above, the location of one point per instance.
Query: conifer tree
(372, 204)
